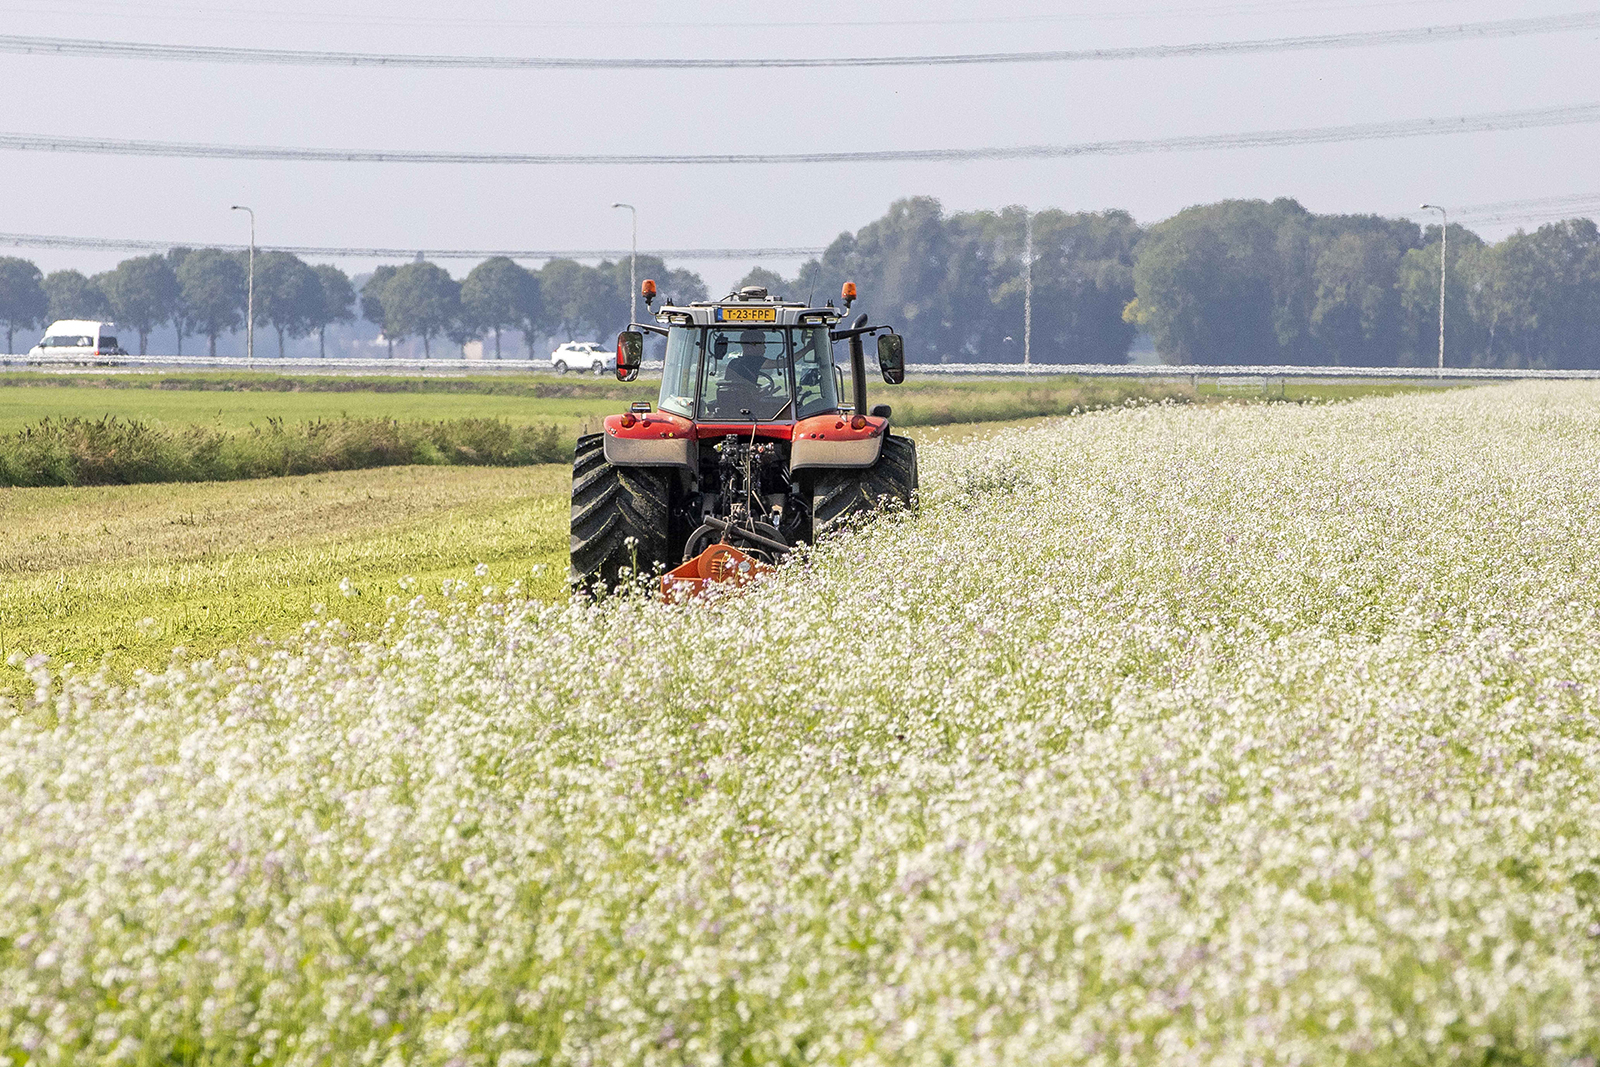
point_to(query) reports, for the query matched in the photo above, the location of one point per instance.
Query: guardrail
(383, 366)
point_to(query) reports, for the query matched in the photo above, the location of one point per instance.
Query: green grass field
(131, 571)
(23, 406)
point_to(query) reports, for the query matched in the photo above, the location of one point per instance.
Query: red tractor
(751, 449)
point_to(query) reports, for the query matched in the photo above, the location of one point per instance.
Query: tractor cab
(753, 358)
(768, 369)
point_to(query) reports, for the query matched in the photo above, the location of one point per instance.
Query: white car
(77, 339)
(583, 355)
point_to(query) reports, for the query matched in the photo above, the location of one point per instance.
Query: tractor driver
(751, 380)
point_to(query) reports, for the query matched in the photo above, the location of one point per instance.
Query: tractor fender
(830, 441)
(654, 441)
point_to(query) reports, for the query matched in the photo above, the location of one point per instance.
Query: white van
(77, 339)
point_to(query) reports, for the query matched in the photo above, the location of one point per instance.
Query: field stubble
(129, 572)
(1174, 735)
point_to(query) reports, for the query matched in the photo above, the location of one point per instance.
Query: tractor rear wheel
(620, 518)
(890, 482)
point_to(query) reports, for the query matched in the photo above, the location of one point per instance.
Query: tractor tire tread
(892, 481)
(610, 505)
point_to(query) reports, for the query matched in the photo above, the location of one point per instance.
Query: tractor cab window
(678, 371)
(746, 376)
(813, 373)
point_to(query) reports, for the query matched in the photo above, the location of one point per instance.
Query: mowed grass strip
(130, 572)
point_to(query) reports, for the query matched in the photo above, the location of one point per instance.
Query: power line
(215, 13)
(119, 244)
(1536, 118)
(1536, 205)
(1543, 209)
(77, 47)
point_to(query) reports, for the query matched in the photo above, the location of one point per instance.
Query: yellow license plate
(748, 314)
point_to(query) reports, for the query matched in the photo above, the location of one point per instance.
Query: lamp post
(250, 294)
(633, 264)
(1027, 289)
(1444, 243)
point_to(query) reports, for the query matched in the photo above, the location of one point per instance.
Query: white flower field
(1245, 734)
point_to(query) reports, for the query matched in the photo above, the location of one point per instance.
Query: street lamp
(250, 294)
(1444, 243)
(633, 264)
(1027, 289)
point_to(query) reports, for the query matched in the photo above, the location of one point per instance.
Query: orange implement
(717, 564)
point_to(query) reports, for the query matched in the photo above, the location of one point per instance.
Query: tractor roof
(748, 306)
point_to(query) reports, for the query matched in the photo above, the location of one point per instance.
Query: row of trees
(1254, 282)
(1234, 282)
(954, 284)
(564, 298)
(202, 292)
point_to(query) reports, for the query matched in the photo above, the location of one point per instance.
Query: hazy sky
(755, 110)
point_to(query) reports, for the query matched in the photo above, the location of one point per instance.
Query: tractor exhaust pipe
(858, 367)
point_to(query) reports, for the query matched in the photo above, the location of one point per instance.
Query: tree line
(1244, 281)
(203, 292)
(954, 284)
(1237, 282)
(200, 292)
(564, 298)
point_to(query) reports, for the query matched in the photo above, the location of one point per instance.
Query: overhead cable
(119, 244)
(1575, 115)
(191, 13)
(1503, 28)
(1535, 207)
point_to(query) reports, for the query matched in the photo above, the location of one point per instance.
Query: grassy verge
(129, 572)
(943, 401)
(114, 451)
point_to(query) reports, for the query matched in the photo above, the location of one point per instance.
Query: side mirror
(630, 353)
(892, 357)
